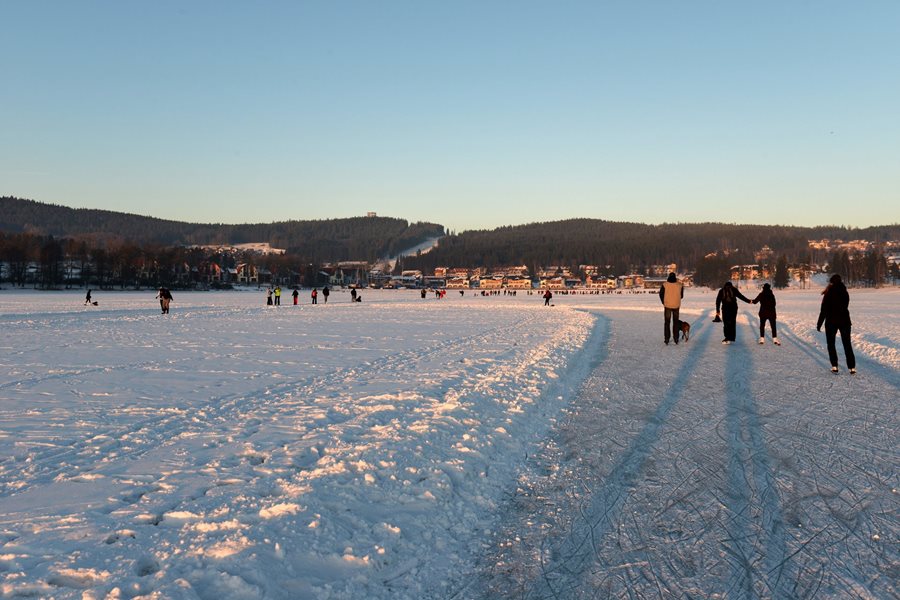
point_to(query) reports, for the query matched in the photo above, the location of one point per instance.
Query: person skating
(325, 292)
(277, 294)
(87, 298)
(314, 295)
(547, 295)
(268, 296)
(835, 314)
(670, 294)
(295, 295)
(766, 301)
(726, 300)
(165, 298)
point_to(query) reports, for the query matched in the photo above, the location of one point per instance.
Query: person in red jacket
(835, 315)
(766, 301)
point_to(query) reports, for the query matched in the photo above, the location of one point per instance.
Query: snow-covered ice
(470, 447)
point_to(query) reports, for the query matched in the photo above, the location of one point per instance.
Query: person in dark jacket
(835, 314)
(325, 292)
(766, 301)
(165, 298)
(726, 300)
(670, 294)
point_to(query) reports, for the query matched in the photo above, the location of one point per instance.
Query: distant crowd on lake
(834, 313)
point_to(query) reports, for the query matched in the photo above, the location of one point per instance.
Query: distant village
(258, 265)
(518, 277)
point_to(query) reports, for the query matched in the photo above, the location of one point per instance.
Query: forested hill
(356, 238)
(619, 245)
(623, 245)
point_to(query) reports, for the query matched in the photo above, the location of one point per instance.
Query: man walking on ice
(670, 294)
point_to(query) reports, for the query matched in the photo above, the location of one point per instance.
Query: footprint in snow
(146, 565)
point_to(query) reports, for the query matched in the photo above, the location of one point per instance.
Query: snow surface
(470, 447)
(423, 247)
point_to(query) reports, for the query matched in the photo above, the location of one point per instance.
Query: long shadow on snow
(756, 524)
(887, 374)
(577, 552)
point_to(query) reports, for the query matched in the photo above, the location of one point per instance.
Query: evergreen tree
(51, 257)
(781, 273)
(713, 271)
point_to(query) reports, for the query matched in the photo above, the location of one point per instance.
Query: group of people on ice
(273, 296)
(834, 314)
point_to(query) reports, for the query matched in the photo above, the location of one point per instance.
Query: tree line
(47, 262)
(124, 250)
(709, 249)
(355, 238)
(52, 263)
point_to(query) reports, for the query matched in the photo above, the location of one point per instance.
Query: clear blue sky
(469, 114)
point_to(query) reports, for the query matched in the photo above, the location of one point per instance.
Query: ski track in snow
(463, 448)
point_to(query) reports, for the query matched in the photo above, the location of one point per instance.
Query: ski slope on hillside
(470, 447)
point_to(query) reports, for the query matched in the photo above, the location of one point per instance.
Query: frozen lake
(469, 447)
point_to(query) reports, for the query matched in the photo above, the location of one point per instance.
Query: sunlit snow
(468, 447)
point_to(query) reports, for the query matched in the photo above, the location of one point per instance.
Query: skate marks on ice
(578, 551)
(732, 485)
(834, 453)
(563, 518)
(813, 345)
(755, 540)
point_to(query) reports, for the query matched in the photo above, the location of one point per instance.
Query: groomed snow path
(709, 471)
